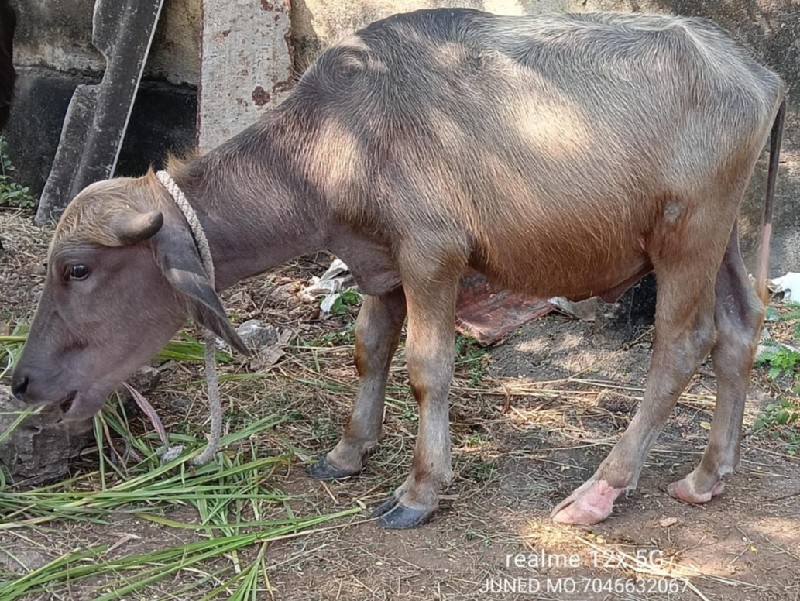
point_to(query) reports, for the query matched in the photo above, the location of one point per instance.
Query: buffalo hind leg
(738, 316)
(377, 333)
(684, 335)
(430, 357)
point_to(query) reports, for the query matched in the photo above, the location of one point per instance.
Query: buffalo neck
(256, 205)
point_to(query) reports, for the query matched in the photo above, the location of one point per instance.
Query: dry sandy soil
(550, 402)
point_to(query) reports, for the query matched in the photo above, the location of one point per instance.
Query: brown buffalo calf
(560, 155)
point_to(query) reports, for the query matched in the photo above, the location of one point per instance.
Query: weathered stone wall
(57, 34)
(55, 53)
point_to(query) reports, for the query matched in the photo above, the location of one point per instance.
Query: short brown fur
(560, 155)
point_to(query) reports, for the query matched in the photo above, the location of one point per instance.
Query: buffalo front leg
(377, 333)
(738, 317)
(430, 357)
(683, 337)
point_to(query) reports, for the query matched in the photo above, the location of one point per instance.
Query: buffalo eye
(78, 272)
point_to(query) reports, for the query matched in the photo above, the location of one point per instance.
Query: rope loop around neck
(209, 338)
(191, 217)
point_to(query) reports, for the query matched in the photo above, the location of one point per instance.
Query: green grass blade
(17, 421)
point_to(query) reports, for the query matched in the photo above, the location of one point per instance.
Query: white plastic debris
(333, 282)
(789, 284)
(327, 303)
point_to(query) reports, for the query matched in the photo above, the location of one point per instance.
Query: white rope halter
(209, 337)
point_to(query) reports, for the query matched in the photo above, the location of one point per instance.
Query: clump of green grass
(344, 336)
(780, 420)
(783, 413)
(146, 482)
(347, 299)
(10, 348)
(183, 348)
(479, 470)
(472, 356)
(238, 509)
(12, 195)
(232, 497)
(133, 573)
(781, 361)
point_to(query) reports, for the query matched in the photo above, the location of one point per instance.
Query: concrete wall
(57, 34)
(54, 51)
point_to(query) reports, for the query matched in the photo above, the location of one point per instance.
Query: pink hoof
(684, 490)
(589, 504)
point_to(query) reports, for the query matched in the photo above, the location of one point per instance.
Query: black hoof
(383, 507)
(324, 470)
(401, 517)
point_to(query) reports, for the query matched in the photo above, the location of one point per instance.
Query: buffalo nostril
(19, 385)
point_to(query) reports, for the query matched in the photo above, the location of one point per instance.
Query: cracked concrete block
(246, 65)
(38, 449)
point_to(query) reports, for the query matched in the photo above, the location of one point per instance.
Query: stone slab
(98, 115)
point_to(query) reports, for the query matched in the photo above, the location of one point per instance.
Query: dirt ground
(531, 425)
(494, 528)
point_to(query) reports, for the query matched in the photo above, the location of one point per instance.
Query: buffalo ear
(180, 263)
